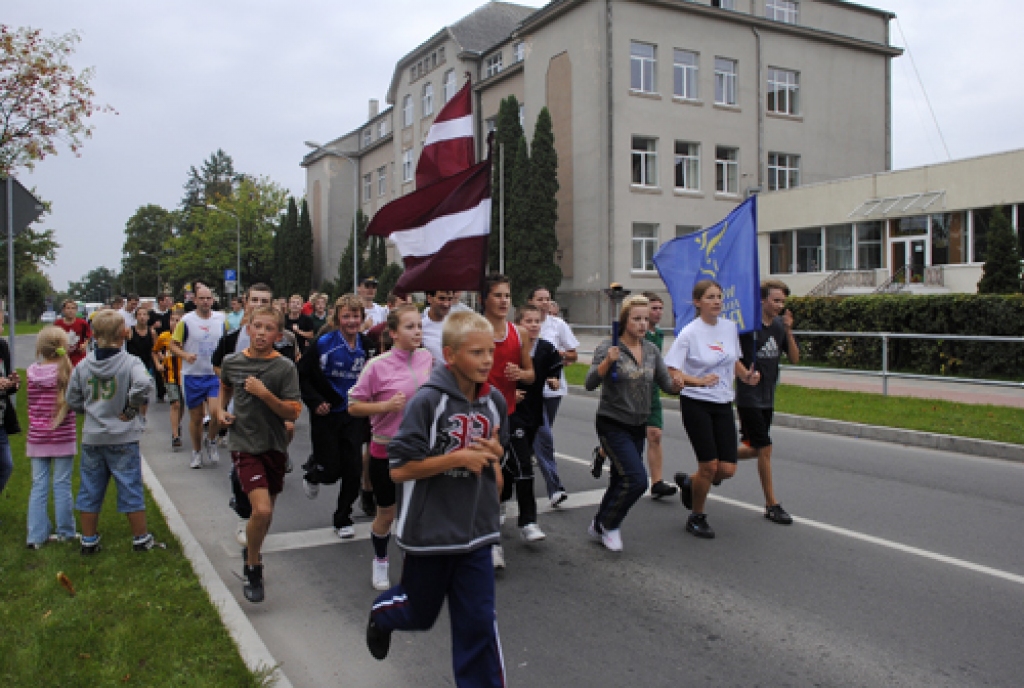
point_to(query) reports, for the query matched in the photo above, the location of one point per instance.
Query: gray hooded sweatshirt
(103, 390)
(452, 512)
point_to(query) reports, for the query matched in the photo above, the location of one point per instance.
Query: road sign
(230, 276)
(27, 208)
(230, 286)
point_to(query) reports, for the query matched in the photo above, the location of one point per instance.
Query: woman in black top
(140, 343)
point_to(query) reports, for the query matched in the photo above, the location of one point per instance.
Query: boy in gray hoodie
(109, 387)
(445, 461)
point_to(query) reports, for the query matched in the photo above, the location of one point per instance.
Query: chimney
(374, 107)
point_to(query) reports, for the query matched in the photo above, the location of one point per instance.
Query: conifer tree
(1001, 272)
(518, 223)
(508, 132)
(544, 205)
(304, 251)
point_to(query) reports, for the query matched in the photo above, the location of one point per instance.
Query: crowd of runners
(432, 420)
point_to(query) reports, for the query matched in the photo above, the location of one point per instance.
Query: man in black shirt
(756, 403)
(298, 324)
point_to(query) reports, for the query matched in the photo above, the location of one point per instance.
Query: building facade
(666, 114)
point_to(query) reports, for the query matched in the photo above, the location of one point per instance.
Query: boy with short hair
(445, 463)
(265, 388)
(110, 386)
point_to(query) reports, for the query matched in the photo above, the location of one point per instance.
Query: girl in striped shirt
(51, 438)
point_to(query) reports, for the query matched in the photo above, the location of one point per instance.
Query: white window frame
(382, 128)
(428, 99)
(726, 70)
(645, 66)
(783, 171)
(493, 65)
(685, 76)
(407, 113)
(518, 51)
(644, 247)
(727, 170)
(687, 165)
(407, 165)
(449, 85)
(724, 4)
(367, 186)
(522, 114)
(382, 181)
(644, 159)
(785, 11)
(783, 95)
(367, 137)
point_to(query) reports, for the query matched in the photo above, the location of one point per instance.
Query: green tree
(376, 262)
(146, 233)
(96, 285)
(304, 251)
(284, 251)
(508, 134)
(43, 99)
(214, 180)
(387, 279)
(343, 285)
(543, 244)
(1001, 272)
(518, 224)
(33, 249)
(31, 290)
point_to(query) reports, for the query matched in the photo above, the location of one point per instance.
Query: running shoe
(197, 460)
(346, 532)
(212, 453)
(559, 497)
(697, 525)
(367, 503)
(612, 539)
(311, 489)
(378, 641)
(594, 530)
(253, 588)
(778, 514)
(502, 513)
(34, 545)
(662, 489)
(146, 542)
(91, 546)
(497, 557)
(175, 443)
(597, 464)
(685, 490)
(381, 580)
(240, 532)
(532, 532)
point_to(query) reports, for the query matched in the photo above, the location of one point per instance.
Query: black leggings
(338, 455)
(711, 428)
(517, 469)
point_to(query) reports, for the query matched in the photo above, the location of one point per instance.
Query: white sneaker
(197, 460)
(559, 497)
(502, 511)
(240, 535)
(381, 581)
(212, 453)
(346, 532)
(223, 441)
(497, 556)
(532, 532)
(612, 540)
(594, 531)
(311, 489)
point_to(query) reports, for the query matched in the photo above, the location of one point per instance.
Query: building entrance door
(910, 256)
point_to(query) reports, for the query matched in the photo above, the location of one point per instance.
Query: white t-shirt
(558, 332)
(432, 338)
(702, 349)
(459, 306)
(129, 318)
(201, 340)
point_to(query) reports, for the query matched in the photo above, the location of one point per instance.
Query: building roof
(488, 25)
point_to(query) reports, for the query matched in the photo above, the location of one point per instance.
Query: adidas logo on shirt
(769, 350)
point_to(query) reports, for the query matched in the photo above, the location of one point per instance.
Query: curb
(254, 652)
(911, 438)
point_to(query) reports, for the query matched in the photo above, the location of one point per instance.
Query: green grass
(996, 423)
(28, 328)
(137, 619)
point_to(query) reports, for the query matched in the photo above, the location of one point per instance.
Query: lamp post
(355, 206)
(238, 245)
(156, 257)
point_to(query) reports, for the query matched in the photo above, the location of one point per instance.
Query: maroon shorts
(260, 471)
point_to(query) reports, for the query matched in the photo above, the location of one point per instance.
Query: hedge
(960, 314)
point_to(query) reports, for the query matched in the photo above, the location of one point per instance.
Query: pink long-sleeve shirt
(43, 439)
(385, 376)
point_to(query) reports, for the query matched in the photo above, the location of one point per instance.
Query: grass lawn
(996, 423)
(137, 619)
(28, 328)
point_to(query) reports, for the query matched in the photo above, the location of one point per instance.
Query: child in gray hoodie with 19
(109, 387)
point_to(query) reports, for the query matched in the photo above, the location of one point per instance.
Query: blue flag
(726, 253)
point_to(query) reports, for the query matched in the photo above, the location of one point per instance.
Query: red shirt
(508, 350)
(78, 337)
(307, 309)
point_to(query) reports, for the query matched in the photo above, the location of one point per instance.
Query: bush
(958, 314)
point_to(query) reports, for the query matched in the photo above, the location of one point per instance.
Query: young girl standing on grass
(51, 438)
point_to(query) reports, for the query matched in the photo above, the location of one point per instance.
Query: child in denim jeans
(51, 438)
(109, 387)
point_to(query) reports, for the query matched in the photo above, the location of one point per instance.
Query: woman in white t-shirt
(705, 358)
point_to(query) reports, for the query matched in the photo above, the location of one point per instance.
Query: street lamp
(238, 245)
(355, 206)
(155, 256)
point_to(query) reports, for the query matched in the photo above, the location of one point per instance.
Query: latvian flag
(441, 229)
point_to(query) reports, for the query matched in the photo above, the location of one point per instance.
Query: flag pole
(501, 208)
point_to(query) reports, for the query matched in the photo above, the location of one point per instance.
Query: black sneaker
(367, 503)
(662, 489)
(378, 641)
(175, 443)
(685, 490)
(146, 543)
(253, 588)
(697, 525)
(778, 514)
(91, 547)
(597, 464)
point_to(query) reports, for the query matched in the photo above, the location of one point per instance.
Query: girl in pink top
(386, 383)
(51, 438)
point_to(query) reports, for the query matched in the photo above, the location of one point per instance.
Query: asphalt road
(905, 567)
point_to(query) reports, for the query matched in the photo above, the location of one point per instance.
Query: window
(727, 170)
(518, 52)
(724, 4)
(808, 250)
(493, 65)
(382, 128)
(642, 64)
(981, 219)
(781, 249)
(382, 180)
(783, 171)
(407, 111)
(781, 10)
(367, 137)
(684, 74)
(1020, 228)
(490, 125)
(645, 161)
(688, 165)
(428, 99)
(839, 247)
(367, 187)
(685, 230)
(869, 245)
(949, 240)
(645, 244)
(407, 165)
(783, 91)
(725, 81)
(449, 85)
(522, 114)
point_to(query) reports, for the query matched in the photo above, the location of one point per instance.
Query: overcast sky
(257, 78)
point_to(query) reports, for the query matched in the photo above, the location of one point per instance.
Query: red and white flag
(449, 146)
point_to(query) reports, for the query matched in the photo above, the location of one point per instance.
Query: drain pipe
(760, 112)
(609, 85)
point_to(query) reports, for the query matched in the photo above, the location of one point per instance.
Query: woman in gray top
(622, 414)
